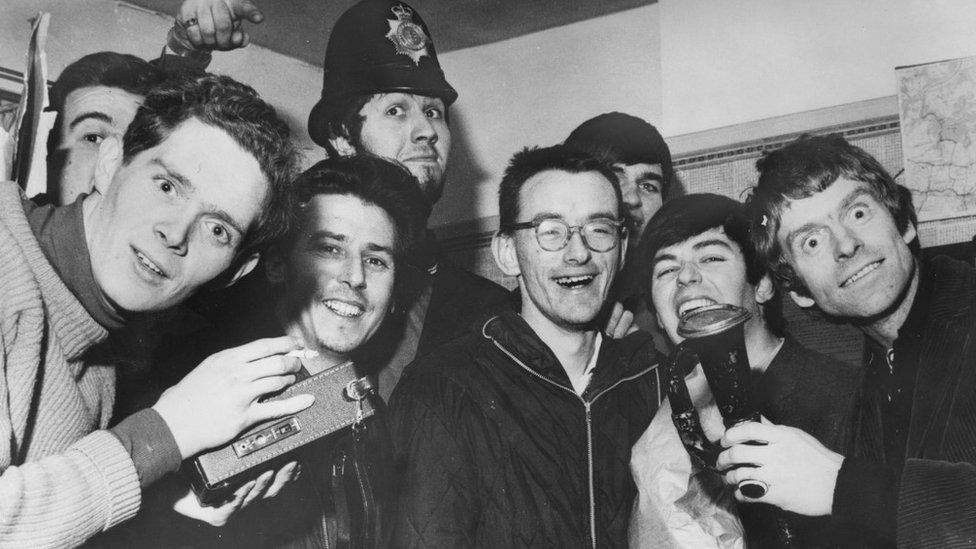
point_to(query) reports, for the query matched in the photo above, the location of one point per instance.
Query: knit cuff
(149, 441)
(866, 496)
(111, 459)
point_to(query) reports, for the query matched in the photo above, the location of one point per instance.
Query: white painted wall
(534, 89)
(726, 62)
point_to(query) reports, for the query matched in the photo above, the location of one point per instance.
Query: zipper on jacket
(589, 419)
(365, 492)
(589, 463)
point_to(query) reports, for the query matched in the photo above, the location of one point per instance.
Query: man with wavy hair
(840, 235)
(384, 93)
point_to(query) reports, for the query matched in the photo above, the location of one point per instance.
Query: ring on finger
(752, 488)
(190, 22)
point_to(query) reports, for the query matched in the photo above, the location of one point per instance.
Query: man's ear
(342, 145)
(503, 248)
(246, 267)
(624, 241)
(764, 290)
(108, 162)
(910, 233)
(801, 300)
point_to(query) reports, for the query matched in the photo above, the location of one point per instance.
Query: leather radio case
(216, 473)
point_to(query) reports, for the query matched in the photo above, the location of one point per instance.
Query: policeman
(384, 93)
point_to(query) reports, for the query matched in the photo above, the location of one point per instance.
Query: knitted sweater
(63, 478)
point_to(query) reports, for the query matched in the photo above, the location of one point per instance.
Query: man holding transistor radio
(334, 279)
(337, 278)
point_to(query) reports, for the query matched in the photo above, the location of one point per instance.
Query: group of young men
(536, 417)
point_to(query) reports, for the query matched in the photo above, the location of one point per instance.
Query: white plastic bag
(678, 505)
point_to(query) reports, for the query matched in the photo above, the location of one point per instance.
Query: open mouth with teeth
(148, 264)
(575, 282)
(343, 309)
(862, 273)
(694, 304)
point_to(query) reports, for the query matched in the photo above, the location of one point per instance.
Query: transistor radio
(341, 400)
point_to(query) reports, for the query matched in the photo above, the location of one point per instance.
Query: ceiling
(300, 28)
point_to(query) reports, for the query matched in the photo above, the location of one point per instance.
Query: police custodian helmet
(377, 46)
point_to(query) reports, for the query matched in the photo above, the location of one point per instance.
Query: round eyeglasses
(599, 235)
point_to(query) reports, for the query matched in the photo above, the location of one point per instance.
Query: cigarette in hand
(303, 353)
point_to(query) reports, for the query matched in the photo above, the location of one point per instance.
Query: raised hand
(217, 24)
(621, 323)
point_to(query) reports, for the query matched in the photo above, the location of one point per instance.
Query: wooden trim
(11, 84)
(840, 118)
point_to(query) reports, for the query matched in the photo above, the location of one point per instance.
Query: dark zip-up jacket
(495, 448)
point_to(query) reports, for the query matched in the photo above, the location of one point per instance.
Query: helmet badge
(407, 37)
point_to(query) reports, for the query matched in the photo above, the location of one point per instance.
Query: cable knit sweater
(63, 477)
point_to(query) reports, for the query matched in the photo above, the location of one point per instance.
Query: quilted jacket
(495, 448)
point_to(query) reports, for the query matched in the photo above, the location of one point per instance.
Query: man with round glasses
(520, 434)
(553, 234)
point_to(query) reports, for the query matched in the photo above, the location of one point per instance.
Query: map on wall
(937, 103)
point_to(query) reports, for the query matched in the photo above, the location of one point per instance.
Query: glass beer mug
(714, 338)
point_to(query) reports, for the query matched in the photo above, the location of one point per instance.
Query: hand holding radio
(221, 397)
(343, 400)
(266, 486)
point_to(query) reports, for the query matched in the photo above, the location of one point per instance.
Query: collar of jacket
(948, 295)
(630, 357)
(945, 378)
(424, 255)
(779, 388)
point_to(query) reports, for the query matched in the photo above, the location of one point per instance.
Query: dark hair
(105, 68)
(531, 161)
(376, 181)
(373, 180)
(691, 215)
(624, 139)
(804, 167)
(224, 103)
(341, 118)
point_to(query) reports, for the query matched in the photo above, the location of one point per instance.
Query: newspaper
(27, 139)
